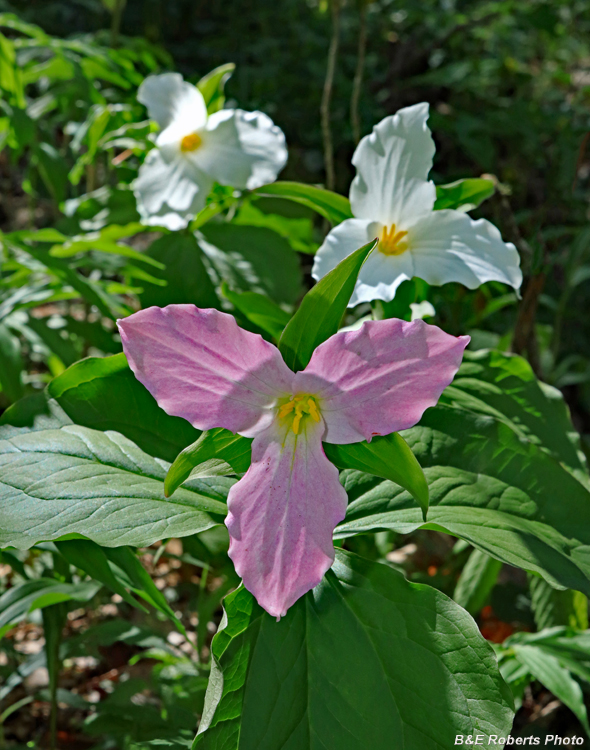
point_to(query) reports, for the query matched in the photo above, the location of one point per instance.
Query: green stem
(327, 95)
(54, 618)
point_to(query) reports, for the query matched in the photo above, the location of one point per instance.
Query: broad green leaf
(332, 206)
(464, 195)
(321, 310)
(187, 280)
(491, 487)
(11, 365)
(212, 85)
(387, 457)
(60, 480)
(476, 581)
(252, 259)
(19, 600)
(259, 309)
(553, 607)
(556, 678)
(103, 393)
(504, 386)
(359, 662)
(219, 443)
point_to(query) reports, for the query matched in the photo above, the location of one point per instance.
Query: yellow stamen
(286, 408)
(300, 406)
(190, 142)
(390, 241)
(313, 409)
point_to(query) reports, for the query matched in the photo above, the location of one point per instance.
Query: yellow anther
(390, 241)
(286, 408)
(190, 142)
(313, 409)
(300, 406)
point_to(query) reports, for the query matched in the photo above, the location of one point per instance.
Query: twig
(327, 95)
(116, 21)
(355, 120)
(524, 338)
(580, 159)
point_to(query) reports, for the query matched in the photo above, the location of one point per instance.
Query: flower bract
(200, 365)
(194, 150)
(392, 199)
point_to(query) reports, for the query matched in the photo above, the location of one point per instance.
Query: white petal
(451, 246)
(241, 149)
(379, 276)
(392, 165)
(164, 188)
(171, 100)
(340, 242)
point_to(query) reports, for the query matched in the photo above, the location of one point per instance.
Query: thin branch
(116, 19)
(355, 119)
(327, 96)
(580, 159)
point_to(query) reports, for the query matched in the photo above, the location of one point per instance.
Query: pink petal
(282, 515)
(380, 378)
(200, 365)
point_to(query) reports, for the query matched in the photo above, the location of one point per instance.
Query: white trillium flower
(194, 150)
(393, 200)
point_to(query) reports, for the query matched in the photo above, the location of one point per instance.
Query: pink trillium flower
(200, 365)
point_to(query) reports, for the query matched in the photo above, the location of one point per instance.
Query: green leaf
(53, 170)
(26, 597)
(553, 607)
(292, 221)
(140, 582)
(476, 581)
(90, 291)
(11, 365)
(489, 486)
(321, 310)
(92, 559)
(571, 647)
(358, 662)
(103, 393)
(60, 480)
(213, 84)
(504, 386)
(105, 242)
(259, 309)
(252, 259)
(387, 457)
(332, 206)
(220, 444)
(556, 678)
(464, 195)
(187, 280)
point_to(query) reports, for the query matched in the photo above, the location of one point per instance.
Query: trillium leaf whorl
(392, 199)
(194, 150)
(198, 364)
